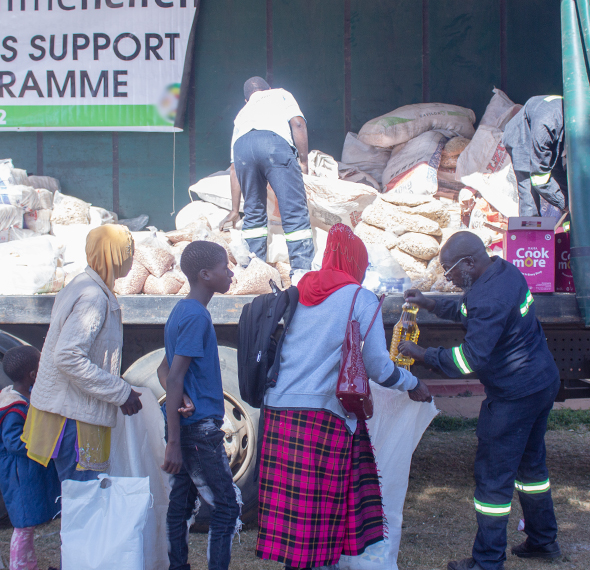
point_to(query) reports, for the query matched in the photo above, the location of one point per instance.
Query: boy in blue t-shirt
(195, 454)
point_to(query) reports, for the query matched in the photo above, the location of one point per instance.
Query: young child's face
(220, 277)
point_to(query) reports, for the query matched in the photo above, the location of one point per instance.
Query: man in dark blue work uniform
(535, 139)
(270, 135)
(506, 347)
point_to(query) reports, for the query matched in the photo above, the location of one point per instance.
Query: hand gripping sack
(352, 388)
(102, 523)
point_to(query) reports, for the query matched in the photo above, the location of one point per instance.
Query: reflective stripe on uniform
(529, 300)
(492, 510)
(540, 179)
(463, 310)
(532, 488)
(552, 98)
(252, 233)
(299, 235)
(460, 360)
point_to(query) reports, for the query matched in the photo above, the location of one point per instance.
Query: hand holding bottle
(415, 297)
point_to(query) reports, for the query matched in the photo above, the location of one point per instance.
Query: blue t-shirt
(189, 332)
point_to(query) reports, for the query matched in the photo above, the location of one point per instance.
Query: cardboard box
(564, 280)
(529, 244)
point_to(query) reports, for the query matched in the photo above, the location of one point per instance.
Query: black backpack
(258, 347)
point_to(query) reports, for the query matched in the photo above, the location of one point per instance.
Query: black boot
(525, 550)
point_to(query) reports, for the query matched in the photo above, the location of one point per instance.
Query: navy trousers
(262, 157)
(511, 453)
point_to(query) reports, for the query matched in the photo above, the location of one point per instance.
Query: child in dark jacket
(29, 489)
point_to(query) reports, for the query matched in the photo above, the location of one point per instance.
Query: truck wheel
(240, 425)
(7, 341)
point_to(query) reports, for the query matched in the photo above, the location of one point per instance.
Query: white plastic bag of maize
(39, 221)
(395, 429)
(102, 522)
(336, 201)
(413, 166)
(47, 182)
(366, 158)
(137, 450)
(10, 216)
(408, 122)
(28, 265)
(499, 111)
(215, 189)
(486, 166)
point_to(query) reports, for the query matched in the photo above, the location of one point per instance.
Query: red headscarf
(345, 262)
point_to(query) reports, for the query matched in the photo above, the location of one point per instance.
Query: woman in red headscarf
(319, 489)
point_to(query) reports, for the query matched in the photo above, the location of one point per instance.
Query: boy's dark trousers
(206, 473)
(511, 453)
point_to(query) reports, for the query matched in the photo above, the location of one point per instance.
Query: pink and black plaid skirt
(319, 490)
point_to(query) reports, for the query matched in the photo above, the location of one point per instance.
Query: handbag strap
(374, 316)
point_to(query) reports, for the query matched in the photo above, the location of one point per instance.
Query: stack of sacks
(415, 137)
(448, 165)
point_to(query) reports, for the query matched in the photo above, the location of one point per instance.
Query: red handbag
(352, 388)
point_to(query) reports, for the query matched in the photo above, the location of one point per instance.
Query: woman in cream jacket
(78, 389)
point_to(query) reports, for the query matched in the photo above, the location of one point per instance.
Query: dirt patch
(439, 520)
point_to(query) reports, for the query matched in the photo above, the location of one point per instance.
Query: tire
(7, 341)
(240, 425)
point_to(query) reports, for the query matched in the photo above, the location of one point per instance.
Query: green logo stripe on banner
(80, 116)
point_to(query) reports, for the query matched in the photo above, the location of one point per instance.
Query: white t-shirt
(269, 110)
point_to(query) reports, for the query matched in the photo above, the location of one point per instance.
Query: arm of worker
(543, 159)
(174, 383)
(379, 366)
(443, 308)
(485, 325)
(70, 356)
(236, 196)
(188, 407)
(299, 131)
(12, 429)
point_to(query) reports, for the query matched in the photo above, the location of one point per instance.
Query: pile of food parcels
(407, 181)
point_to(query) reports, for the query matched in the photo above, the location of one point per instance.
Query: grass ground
(439, 520)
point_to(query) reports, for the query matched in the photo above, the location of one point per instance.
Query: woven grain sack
(133, 282)
(412, 166)
(499, 111)
(336, 201)
(367, 158)
(408, 122)
(401, 199)
(51, 184)
(10, 216)
(168, 284)
(418, 245)
(415, 268)
(389, 217)
(189, 232)
(199, 209)
(284, 270)
(374, 235)
(216, 189)
(435, 211)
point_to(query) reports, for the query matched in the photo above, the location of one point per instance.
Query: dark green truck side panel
(469, 48)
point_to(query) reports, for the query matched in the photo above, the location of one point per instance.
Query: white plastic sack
(408, 122)
(395, 429)
(47, 182)
(322, 164)
(499, 111)
(73, 238)
(353, 174)
(28, 265)
(486, 166)
(215, 189)
(102, 523)
(10, 217)
(6, 177)
(413, 166)
(13, 234)
(101, 217)
(39, 221)
(69, 210)
(336, 201)
(137, 450)
(367, 158)
(200, 209)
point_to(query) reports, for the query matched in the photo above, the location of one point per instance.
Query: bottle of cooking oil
(405, 329)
